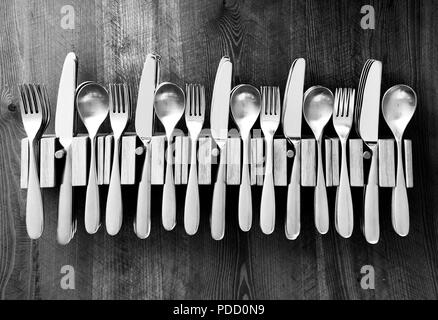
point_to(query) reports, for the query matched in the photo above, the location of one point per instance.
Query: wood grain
(262, 37)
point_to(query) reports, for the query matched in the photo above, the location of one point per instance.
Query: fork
(33, 113)
(195, 114)
(120, 100)
(343, 122)
(269, 121)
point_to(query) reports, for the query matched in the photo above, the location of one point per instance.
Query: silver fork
(343, 122)
(120, 110)
(269, 121)
(195, 114)
(32, 113)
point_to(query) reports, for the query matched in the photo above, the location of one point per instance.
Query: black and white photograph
(218, 156)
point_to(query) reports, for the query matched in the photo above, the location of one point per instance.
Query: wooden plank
(409, 166)
(280, 162)
(308, 163)
(205, 160)
(157, 173)
(128, 160)
(356, 163)
(47, 162)
(24, 175)
(387, 163)
(233, 161)
(79, 161)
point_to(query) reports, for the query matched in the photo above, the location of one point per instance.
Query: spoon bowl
(318, 108)
(169, 105)
(398, 108)
(245, 106)
(92, 101)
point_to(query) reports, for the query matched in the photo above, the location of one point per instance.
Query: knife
(220, 108)
(144, 122)
(64, 129)
(369, 132)
(292, 119)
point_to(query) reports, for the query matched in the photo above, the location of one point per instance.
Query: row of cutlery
(168, 103)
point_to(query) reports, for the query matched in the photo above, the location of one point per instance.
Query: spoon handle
(114, 204)
(400, 203)
(219, 199)
(321, 202)
(191, 209)
(92, 203)
(169, 198)
(142, 225)
(371, 225)
(267, 206)
(293, 215)
(34, 204)
(344, 203)
(245, 198)
(65, 205)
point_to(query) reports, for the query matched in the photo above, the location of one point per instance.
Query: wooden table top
(111, 39)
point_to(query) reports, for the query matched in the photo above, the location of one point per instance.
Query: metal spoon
(169, 106)
(318, 109)
(245, 107)
(92, 102)
(398, 107)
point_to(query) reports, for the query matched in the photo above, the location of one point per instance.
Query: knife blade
(219, 117)
(292, 120)
(369, 132)
(64, 130)
(144, 122)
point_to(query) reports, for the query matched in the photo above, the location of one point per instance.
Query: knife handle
(34, 204)
(114, 204)
(245, 197)
(267, 206)
(371, 226)
(219, 199)
(400, 202)
(293, 213)
(321, 202)
(65, 230)
(191, 208)
(344, 220)
(142, 224)
(92, 202)
(169, 197)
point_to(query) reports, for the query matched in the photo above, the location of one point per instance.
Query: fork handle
(65, 206)
(92, 202)
(245, 197)
(34, 205)
(344, 204)
(321, 202)
(400, 202)
(371, 226)
(169, 197)
(142, 225)
(267, 206)
(293, 213)
(219, 199)
(114, 204)
(191, 209)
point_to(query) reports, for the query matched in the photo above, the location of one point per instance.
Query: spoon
(318, 109)
(245, 107)
(169, 107)
(398, 107)
(92, 102)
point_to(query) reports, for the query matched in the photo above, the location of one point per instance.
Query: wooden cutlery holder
(51, 155)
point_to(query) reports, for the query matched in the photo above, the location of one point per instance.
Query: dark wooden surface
(112, 39)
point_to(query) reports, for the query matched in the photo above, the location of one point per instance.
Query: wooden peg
(47, 162)
(280, 162)
(128, 159)
(107, 164)
(356, 163)
(158, 148)
(336, 161)
(233, 161)
(79, 161)
(328, 163)
(409, 164)
(387, 163)
(308, 163)
(205, 160)
(24, 163)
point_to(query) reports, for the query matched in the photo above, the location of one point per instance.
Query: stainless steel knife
(144, 122)
(369, 132)
(219, 116)
(292, 119)
(64, 129)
